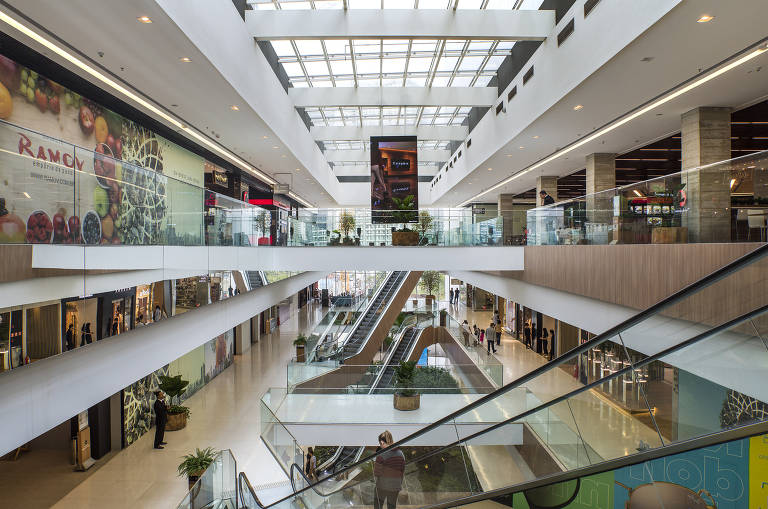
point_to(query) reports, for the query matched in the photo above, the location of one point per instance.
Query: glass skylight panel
(337, 47)
(309, 47)
(461, 81)
(416, 81)
(434, 4)
(317, 69)
(440, 81)
(447, 63)
(398, 4)
(483, 80)
(283, 48)
(293, 69)
(341, 67)
(329, 4)
(393, 65)
(295, 5)
(368, 82)
(419, 64)
(471, 63)
(368, 66)
(470, 4)
(364, 4)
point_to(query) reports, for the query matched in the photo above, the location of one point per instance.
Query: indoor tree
(346, 223)
(430, 280)
(425, 224)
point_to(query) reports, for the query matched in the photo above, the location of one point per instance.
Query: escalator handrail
(312, 486)
(244, 478)
(715, 276)
(359, 319)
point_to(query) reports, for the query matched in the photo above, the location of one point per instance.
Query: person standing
(465, 333)
(490, 334)
(497, 328)
(161, 419)
(546, 199)
(310, 466)
(85, 334)
(450, 296)
(388, 471)
(157, 315)
(544, 341)
(527, 334)
(70, 337)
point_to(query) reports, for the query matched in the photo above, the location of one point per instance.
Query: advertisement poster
(219, 354)
(394, 178)
(76, 172)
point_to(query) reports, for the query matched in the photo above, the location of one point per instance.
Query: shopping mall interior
(355, 253)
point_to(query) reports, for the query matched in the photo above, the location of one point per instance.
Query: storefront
(11, 335)
(42, 330)
(77, 313)
(143, 304)
(191, 292)
(116, 312)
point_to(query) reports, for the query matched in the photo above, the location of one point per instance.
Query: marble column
(706, 139)
(548, 184)
(601, 176)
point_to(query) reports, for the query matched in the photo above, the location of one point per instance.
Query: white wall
(32, 398)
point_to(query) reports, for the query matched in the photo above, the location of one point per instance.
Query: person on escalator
(388, 470)
(310, 466)
(465, 332)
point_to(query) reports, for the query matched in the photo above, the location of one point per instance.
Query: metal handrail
(708, 280)
(244, 478)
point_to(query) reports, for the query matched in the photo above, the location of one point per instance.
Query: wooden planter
(405, 238)
(176, 422)
(407, 402)
(300, 353)
(192, 479)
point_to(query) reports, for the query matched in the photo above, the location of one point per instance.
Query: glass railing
(281, 443)
(707, 339)
(722, 202)
(491, 366)
(217, 487)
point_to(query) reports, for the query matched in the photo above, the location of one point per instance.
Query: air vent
(512, 93)
(499, 107)
(589, 5)
(528, 75)
(565, 32)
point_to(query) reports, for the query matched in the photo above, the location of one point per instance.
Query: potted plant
(404, 214)
(346, 224)
(424, 225)
(194, 464)
(300, 343)
(174, 387)
(262, 222)
(335, 241)
(406, 397)
(430, 280)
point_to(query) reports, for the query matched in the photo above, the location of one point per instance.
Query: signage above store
(268, 202)
(478, 210)
(221, 178)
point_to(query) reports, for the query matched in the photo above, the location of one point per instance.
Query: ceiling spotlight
(638, 193)
(706, 18)
(297, 169)
(275, 146)
(536, 137)
(521, 147)
(283, 155)
(186, 60)
(234, 107)
(265, 137)
(144, 19)
(490, 169)
(577, 107)
(509, 155)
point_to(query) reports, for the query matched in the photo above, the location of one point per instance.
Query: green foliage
(435, 380)
(173, 386)
(425, 222)
(262, 221)
(197, 462)
(388, 341)
(430, 280)
(405, 210)
(301, 340)
(404, 378)
(346, 223)
(179, 409)
(400, 317)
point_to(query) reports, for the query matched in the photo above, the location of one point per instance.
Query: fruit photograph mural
(75, 172)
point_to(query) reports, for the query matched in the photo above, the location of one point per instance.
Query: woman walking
(310, 466)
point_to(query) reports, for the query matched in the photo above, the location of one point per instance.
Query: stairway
(400, 354)
(254, 279)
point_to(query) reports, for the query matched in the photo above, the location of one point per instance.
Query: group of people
(388, 471)
(491, 335)
(86, 337)
(531, 336)
(157, 315)
(454, 296)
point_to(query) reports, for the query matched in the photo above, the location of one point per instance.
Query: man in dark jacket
(546, 199)
(161, 418)
(388, 471)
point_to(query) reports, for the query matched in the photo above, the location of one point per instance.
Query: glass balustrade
(216, 487)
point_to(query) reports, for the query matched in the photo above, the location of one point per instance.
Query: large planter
(406, 403)
(405, 238)
(176, 422)
(192, 479)
(429, 300)
(300, 353)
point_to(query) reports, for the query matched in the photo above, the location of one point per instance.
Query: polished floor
(225, 414)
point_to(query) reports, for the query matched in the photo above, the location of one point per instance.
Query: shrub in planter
(174, 387)
(300, 343)
(406, 397)
(194, 464)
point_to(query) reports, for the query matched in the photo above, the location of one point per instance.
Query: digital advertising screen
(394, 179)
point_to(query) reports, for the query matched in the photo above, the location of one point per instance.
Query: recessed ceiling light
(521, 147)
(186, 60)
(234, 107)
(536, 137)
(275, 146)
(706, 18)
(265, 137)
(283, 155)
(490, 169)
(144, 19)
(298, 169)
(509, 155)
(578, 107)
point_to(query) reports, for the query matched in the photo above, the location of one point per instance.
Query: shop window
(565, 32)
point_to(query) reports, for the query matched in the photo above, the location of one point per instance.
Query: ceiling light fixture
(638, 193)
(132, 96)
(265, 137)
(733, 183)
(144, 19)
(706, 18)
(536, 137)
(186, 60)
(705, 77)
(27, 195)
(521, 147)
(490, 169)
(234, 107)
(275, 146)
(578, 107)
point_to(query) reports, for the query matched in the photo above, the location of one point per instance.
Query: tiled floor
(225, 414)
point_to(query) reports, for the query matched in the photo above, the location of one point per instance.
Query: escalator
(371, 317)
(536, 431)
(255, 278)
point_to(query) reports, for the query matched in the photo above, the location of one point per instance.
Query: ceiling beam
(507, 25)
(423, 132)
(424, 155)
(393, 96)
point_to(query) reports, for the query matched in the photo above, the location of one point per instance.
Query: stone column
(706, 139)
(505, 213)
(601, 176)
(548, 221)
(548, 184)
